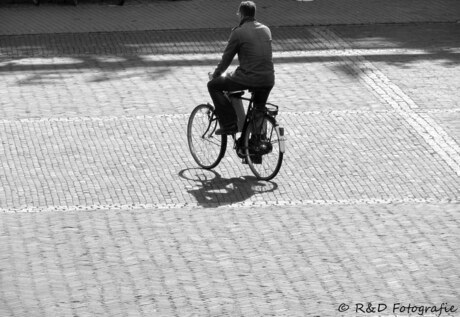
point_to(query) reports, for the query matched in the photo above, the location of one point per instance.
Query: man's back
(254, 54)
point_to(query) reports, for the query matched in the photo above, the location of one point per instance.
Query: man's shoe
(228, 130)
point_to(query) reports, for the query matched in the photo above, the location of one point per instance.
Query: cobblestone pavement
(105, 213)
(264, 261)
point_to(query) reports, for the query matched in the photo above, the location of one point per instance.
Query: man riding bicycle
(251, 40)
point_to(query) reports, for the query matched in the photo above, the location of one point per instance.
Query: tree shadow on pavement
(101, 68)
(131, 53)
(414, 42)
(210, 189)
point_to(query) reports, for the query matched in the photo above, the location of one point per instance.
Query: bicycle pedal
(257, 159)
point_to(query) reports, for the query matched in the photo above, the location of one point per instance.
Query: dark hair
(247, 8)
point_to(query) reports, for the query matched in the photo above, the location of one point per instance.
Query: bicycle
(262, 150)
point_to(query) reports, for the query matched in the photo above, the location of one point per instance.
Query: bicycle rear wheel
(264, 152)
(206, 147)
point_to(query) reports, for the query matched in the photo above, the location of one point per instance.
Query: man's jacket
(252, 41)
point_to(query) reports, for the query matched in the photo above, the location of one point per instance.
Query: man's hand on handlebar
(211, 75)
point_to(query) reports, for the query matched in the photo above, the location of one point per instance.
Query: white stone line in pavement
(392, 95)
(353, 52)
(94, 118)
(245, 204)
(421, 112)
(211, 57)
(298, 53)
(453, 110)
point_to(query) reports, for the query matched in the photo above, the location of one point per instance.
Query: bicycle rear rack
(272, 109)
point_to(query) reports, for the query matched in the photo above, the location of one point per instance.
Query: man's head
(247, 9)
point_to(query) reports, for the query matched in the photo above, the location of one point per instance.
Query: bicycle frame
(249, 116)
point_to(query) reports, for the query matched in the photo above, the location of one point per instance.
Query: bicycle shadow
(211, 189)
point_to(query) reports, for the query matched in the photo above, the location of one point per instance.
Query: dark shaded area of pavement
(143, 15)
(428, 36)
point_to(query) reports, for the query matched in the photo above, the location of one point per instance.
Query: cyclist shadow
(211, 190)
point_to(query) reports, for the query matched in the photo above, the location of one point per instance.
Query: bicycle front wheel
(264, 153)
(206, 147)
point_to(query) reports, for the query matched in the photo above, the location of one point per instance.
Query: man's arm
(230, 51)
